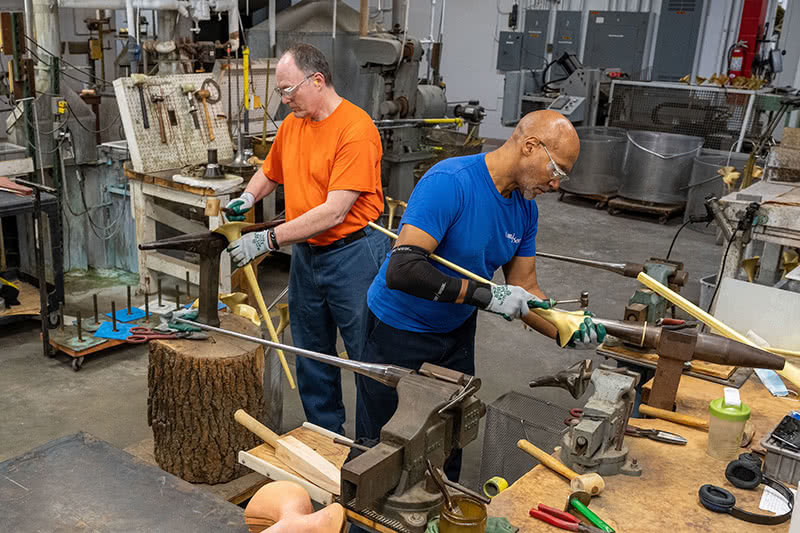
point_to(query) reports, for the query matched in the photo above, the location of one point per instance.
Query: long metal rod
(389, 375)
(617, 268)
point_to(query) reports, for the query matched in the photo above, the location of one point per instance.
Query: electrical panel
(567, 36)
(678, 28)
(509, 50)
(616, 39)
(534, 41)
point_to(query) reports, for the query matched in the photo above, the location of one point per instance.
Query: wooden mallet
(591, 482)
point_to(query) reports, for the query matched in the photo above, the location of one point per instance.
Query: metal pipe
(389, 375)
(272, 46)
(747, 114)
(624, 269)
(363, 26)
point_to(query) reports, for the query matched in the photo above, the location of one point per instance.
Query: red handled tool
(562, 519)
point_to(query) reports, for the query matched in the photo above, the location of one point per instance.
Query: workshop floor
(42, 399)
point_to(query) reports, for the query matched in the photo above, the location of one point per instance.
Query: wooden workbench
(664, 498)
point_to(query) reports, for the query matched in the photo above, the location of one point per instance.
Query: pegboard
(258, 87)
(185, 145)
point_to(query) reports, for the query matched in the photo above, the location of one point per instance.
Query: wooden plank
(145, 232)
(664, 498)
(174, 267)
(263, 459)
(173, 220)
(107, 345)
(701, 367)
(28, 301)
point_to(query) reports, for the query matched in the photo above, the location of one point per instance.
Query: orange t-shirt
(341, 152)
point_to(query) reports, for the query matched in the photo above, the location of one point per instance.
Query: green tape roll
(495, 486)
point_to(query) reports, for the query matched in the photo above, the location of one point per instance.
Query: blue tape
(124, 316)
(105, 331)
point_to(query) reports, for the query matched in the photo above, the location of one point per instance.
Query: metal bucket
(599, 166)
(705, 181)
(657, 166)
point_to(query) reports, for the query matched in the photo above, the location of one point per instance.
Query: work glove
(240, 206)
(168, 322)
(588, 337)
(513, 302)
(249, 246)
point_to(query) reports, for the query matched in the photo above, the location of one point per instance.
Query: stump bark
(194, 389)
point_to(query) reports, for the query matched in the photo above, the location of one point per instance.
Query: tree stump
(194, 387)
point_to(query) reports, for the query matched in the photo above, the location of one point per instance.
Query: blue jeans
(329, 290)
(376, 403)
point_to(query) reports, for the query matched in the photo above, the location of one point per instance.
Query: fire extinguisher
(736, 55)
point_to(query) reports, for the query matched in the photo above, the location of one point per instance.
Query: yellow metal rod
(790, 372)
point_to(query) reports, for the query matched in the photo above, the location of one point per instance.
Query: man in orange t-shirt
(327, 154)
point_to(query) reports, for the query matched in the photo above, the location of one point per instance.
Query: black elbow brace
(410, 271)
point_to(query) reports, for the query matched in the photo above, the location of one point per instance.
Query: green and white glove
(168, 322)
(248, 247)
(240, 206)
(513, 302)
(589, 336)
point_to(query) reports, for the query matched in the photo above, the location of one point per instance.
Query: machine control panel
(566, 105)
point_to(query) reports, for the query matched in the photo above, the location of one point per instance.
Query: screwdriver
(590, 516)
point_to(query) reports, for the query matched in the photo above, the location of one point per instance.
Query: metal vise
(594, 442)
(208, 245)
(437, 412)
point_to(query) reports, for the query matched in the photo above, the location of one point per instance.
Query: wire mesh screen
(515, 416)
(715, 114)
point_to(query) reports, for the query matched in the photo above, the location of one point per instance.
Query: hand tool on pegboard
(207, 96)
(189, 89)
(438, 411)
(157, 98)
(138, 81)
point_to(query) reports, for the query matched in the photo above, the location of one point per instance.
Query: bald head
(525, 161)
(551, 128)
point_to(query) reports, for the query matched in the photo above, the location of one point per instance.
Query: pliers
(655, 434)
(562, 519)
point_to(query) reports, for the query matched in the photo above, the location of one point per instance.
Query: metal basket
(514, 416)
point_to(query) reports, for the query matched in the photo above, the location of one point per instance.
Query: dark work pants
(329, 291)
(376, 403)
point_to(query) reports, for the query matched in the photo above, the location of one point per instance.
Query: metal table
(81, 482)
(12, 205)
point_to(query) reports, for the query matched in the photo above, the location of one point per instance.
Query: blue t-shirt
(457, 203)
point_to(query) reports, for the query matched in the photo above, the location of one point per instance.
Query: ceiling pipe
(364, 21)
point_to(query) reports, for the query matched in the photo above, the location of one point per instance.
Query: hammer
(583, 300)
(138, 82)
(157, 99)
(591, 482)
(188, 89)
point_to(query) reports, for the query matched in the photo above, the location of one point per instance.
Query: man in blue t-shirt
(478, 212)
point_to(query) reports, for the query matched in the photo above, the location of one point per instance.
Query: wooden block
(308, 463)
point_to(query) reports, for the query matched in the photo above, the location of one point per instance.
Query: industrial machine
(403, 106)
(581, 96)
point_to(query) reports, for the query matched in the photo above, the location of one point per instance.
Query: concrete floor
(42, 399)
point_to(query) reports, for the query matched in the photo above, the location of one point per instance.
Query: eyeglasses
(558, 174)
(288, 92)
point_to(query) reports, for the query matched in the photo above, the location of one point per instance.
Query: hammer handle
(546, 459)
(663, 414)
(208, 121)
(259, 429)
